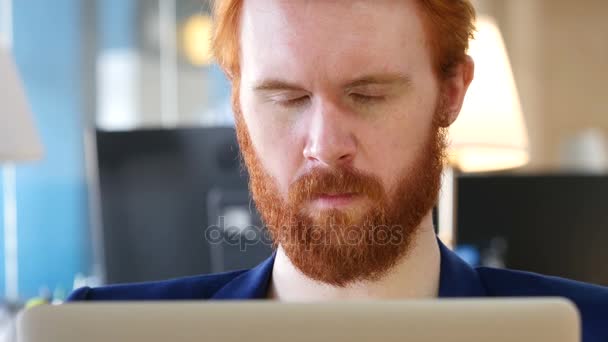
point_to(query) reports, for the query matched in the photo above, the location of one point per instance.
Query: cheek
(394, 143)
(391, 151)
(274, 143)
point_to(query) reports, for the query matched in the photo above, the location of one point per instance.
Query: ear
(455, 88)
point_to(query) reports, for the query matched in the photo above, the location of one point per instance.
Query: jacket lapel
(251, 284)
(457, 278)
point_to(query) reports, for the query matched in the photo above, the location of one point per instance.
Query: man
(341, 109)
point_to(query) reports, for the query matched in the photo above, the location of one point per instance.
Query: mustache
(342, 180)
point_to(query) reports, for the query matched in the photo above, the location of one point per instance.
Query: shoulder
(591, 300)
(504, 282)
(186, 288)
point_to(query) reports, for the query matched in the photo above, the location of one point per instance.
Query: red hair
(448, 23)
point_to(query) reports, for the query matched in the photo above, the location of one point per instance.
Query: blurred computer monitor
(555, 224)
(166, 194)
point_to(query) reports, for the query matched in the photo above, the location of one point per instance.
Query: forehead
(331, 37)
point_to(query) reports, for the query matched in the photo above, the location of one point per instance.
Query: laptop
(497, 320)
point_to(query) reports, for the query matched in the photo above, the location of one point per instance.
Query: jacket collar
(456, 279)
(251, 284)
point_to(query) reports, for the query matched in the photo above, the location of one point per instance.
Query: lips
(336, 195)
(335, 199)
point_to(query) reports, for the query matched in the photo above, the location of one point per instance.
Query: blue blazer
(457, 279)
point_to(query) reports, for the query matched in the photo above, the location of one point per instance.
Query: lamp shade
(489, 133)
(18, 137)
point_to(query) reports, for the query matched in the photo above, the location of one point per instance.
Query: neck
(415, 276)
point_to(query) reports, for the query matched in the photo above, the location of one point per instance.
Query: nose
(330, 142)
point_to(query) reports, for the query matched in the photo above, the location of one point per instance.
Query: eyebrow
(276, 84)
(380, 79)
(373, 79)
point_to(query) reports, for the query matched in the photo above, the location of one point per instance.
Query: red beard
(336, 247)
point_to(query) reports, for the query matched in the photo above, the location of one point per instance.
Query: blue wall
(117, 20)
(53, 230)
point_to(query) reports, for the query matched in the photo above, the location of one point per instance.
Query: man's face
(335, 117)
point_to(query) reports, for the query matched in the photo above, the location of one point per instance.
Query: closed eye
(366, 99)
(296, 102)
